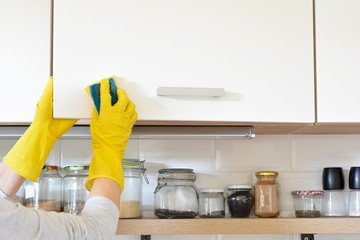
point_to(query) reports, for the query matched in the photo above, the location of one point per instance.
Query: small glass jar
(307, 204)
(240, 200)
(131, 197)
(176, 195)
(19, 196)
(75, 193)
(46, 193)
(266, 192)
(211, 203)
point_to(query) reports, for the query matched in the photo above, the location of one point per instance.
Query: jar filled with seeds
(176, 195)
(131, 197)
(46, 193)
(74, 191)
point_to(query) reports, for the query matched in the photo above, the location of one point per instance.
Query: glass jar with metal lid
(176, 195)
(131, 197)
(266, 193)
(75, 193)
(46, 193)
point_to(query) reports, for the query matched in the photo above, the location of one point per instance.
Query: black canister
(240, 200)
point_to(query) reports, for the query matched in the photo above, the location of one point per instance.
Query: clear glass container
(20, 196)
(307, 204)
(176, 195)
(354, 203)
(75, 193)
(46, 193)
(240, 200)
(266, 192)
(334, 204)
(211, 203)
(131, 197)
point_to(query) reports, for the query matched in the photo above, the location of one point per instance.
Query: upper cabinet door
(25, 28)
(259, 52)
(338, 60)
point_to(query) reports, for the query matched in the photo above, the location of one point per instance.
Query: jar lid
(239, 186)
(267, 173)
(133, 164)
(176, 170)
(307, 193)
(211, 190)
(51, 168)
(76, 168)
(177, 173)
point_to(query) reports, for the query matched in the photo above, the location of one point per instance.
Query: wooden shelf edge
(238, 226)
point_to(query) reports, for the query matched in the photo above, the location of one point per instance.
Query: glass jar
(176, 195)
(240, 200)
(307, 204)
(266, 193)
(46, 193)
(19, 196)
(131, 197)
(75, 193)
(211, 203)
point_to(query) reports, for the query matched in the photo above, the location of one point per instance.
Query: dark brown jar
(240, 200)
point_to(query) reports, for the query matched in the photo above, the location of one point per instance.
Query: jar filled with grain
(46, 193)
(74, 191)
(176, 195)
(266, 193)
(131, 197)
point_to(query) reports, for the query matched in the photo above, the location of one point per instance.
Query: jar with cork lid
(266, 193)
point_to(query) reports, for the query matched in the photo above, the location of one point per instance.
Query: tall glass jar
(176, 195)
(46, 193)
(75, 193)
(131, 197)
(266, 193)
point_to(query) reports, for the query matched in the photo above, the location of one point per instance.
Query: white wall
(299, 159)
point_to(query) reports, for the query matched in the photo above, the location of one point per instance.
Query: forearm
(10, 181)
(106, 187)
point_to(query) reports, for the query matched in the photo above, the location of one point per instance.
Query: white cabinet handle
(186, 91)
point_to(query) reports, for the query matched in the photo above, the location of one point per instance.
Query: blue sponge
(95, 93)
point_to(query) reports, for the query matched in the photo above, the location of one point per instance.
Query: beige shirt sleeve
(98, 221)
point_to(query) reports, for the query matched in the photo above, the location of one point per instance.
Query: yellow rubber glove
(28, 155)
(110, 131)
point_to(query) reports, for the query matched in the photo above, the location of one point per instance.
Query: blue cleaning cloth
(95, 93)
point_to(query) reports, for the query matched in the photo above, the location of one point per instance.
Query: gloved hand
(28, 155)
(110, 131)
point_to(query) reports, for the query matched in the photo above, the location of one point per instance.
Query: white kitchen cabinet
(25, 41)
(260, 52)
(338, 60)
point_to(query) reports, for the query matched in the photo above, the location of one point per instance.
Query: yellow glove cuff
(100, 167)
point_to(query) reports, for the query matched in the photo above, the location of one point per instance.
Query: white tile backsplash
(265, 152)
(299, 159)
(314, 152)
